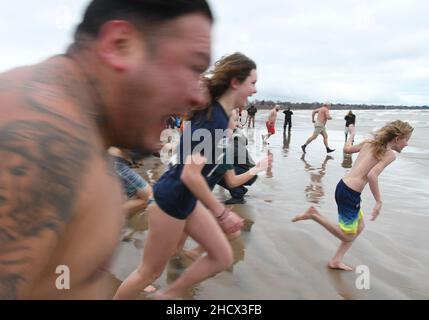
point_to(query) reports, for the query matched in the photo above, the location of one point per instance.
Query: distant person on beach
(271, 124)
(184, 202)
(251, 112)
(350, 123)
(323, 116)
(288, 119)
(136, 189)
(131, 65)
(374, 156)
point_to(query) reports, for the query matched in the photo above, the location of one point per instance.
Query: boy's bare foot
(306, 215)
(338, 265)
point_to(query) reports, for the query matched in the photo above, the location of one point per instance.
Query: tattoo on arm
(8, 286)
(40, 171)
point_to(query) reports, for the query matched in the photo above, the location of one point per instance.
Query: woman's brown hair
(218, 79)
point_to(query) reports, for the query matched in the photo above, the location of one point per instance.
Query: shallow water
(277, 259)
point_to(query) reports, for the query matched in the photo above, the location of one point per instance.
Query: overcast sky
(344, 51)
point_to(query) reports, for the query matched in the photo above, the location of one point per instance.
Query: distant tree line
(268, 104)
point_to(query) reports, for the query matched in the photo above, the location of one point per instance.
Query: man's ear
(117, 44)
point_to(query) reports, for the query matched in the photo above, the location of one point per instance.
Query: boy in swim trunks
(374, 155)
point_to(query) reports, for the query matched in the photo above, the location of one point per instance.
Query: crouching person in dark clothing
(240, 166)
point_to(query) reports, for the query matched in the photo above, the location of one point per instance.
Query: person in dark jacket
(350, 121)
(288, 119)
(251, 112)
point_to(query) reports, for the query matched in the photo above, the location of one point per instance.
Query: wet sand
(278, 259)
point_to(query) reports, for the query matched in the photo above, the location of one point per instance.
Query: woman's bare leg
(164, 234)
(180, 245)
(204, 229)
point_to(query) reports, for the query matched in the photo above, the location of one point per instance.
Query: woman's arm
(192, 178)
(195, 182)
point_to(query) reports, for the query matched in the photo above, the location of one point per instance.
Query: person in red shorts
(271, 124)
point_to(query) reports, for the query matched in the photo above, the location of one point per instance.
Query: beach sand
(278, 259)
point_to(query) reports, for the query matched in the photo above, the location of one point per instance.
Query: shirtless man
(319, 126)
(271, 124)
(131, 66)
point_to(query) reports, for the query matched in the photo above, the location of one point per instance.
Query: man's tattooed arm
(41, 168)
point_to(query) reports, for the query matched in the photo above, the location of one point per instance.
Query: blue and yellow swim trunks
(349, 210)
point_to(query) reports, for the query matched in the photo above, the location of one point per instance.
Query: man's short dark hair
(142, 13)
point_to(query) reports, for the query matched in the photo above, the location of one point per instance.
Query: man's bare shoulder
(324, 110)
(52, 89)
(39, 132)
(47, 148)
(43, 120)
(11, 78)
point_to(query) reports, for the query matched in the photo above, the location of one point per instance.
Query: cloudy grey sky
(345, 51)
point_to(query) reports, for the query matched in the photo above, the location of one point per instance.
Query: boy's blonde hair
(386, 134)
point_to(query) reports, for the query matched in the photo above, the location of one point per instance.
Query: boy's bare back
(357, 178)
